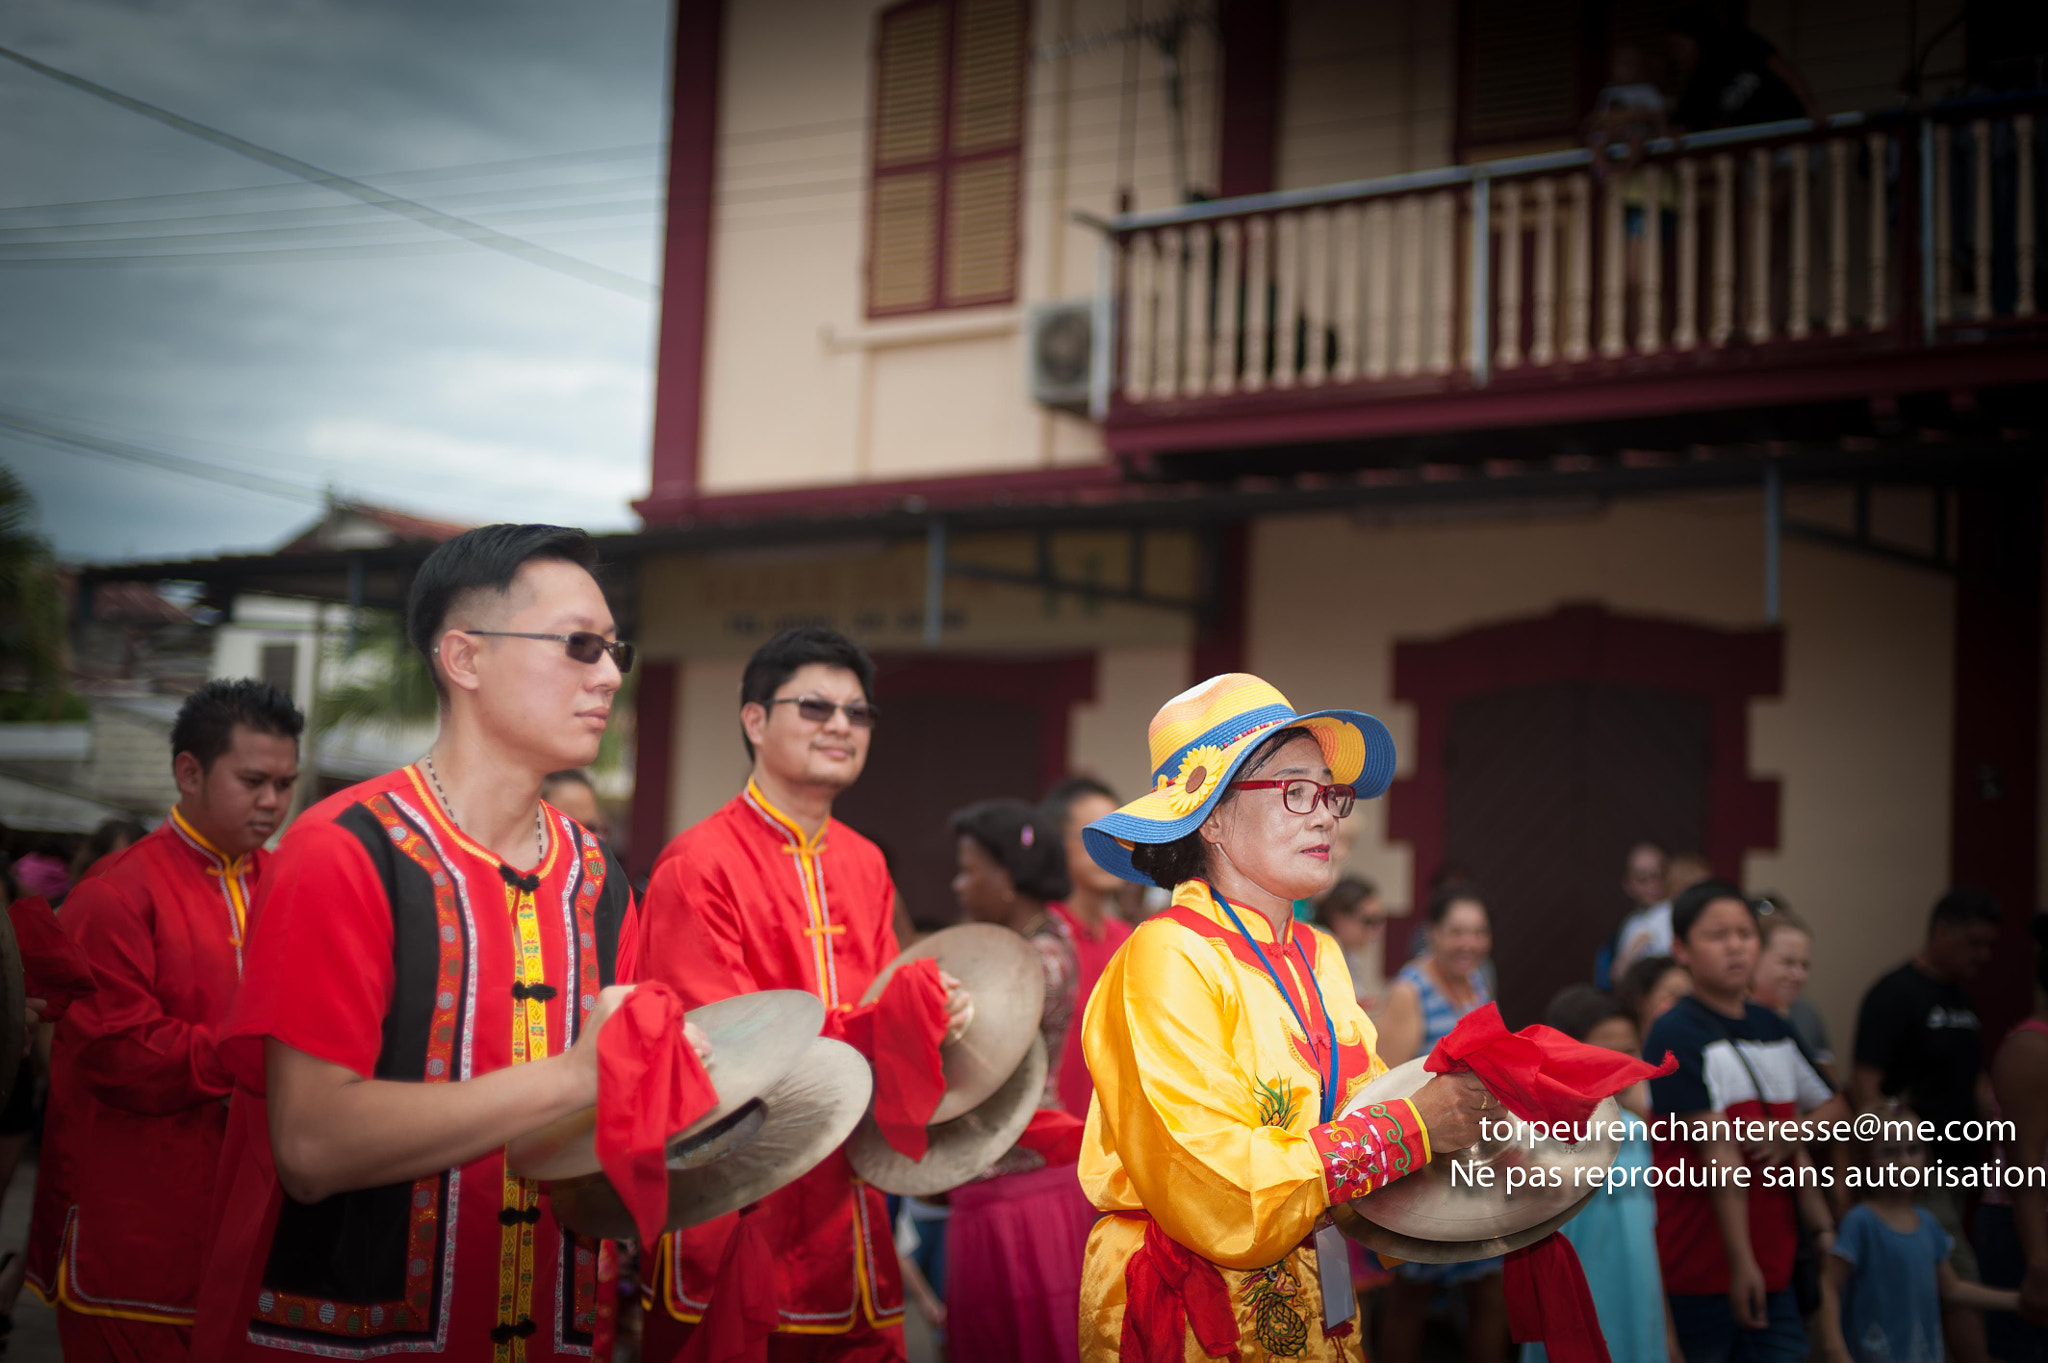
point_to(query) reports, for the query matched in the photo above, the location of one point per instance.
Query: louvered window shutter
(1525, 71)
(949, 134)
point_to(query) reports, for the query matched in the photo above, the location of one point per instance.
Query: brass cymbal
(755, 1040)
(1430, 1217)
(1006, 986)
(765, 1144)
(961, 1149)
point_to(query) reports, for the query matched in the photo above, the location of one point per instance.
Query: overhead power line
(27, 426)
(476, 233)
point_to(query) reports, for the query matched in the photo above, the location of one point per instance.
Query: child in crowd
(1889, 1267)
(1730, 1292)
(1615, 1237)
(1649, 988)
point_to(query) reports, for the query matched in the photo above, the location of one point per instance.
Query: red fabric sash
(743, 1311)
(1549, 1303)
(1055, 1135)
(1539, 1073)
(54, 968)
(1169, 1290)
(899, 1034)
(650, 1085)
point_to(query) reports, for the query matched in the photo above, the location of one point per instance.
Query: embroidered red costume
(137, 1087)
(388, 943)
(741, 902)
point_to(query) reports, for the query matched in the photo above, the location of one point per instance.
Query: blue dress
(1891, 1309)
(1615, 1238)
(1439, 1017)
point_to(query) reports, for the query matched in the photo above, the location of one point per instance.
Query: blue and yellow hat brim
(1358, 748)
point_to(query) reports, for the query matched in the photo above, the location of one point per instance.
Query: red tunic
(388, 943)
(137, 1087)
(742, 902)
(1092, 951)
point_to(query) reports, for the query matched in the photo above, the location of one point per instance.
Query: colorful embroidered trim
(1370, 1149)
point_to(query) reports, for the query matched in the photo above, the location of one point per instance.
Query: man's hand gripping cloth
(899, 1034)
(650, 1085)
(1541, 1075)
(54, 968)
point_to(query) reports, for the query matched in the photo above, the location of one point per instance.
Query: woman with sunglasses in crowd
(1225, 1041)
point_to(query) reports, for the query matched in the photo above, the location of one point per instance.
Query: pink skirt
(1013, 1267)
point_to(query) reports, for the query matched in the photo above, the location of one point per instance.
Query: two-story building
(1067, 352)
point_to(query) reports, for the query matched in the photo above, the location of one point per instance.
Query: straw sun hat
(1202, 736)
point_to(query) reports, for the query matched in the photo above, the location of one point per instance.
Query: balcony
(1780, 264)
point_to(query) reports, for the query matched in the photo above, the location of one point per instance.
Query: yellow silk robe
(1207, 1118)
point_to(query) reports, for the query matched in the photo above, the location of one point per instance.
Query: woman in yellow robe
(1224, 1038)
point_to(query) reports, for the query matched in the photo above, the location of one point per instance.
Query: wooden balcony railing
(1734, 246)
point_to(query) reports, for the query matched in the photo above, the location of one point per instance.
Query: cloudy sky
(319, 342)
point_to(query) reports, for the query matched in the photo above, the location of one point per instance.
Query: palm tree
(31, 607)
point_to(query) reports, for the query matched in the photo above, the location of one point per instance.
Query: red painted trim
(1995, 791)
(1053, 685)
(1248, 134)
(1725, 668)
(686, 258)
(1220, 646)
(921, 494)
(1590, 392)
(654, 733)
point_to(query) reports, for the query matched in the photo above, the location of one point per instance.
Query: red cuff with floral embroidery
(1371, 1148)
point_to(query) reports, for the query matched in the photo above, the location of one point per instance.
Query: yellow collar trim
(228, 865)
(805, 843)
(1196, 895)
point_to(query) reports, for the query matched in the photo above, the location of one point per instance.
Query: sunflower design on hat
(1196, 780)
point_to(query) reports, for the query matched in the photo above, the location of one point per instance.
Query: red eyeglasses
(1300, 795)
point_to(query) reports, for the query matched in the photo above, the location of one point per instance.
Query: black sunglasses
(583, 645)
(819, 711)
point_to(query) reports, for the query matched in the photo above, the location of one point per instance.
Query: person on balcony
(1730, 77)
(1225, 1039)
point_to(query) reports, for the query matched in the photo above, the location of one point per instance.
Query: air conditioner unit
(1062, 353)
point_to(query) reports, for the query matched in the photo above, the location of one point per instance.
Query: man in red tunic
(138, 1101)
(433, 955)
(772, 893)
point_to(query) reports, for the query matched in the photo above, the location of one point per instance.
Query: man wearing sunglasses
(772, 893)
(429, 963)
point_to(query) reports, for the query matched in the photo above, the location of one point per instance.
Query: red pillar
(1995, 790)
(654, 739)
(686, 260)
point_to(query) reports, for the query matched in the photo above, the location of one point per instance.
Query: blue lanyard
(1329, 1105)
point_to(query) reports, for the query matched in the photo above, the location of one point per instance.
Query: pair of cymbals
(787, 1098)
(995, 1070)
(1438, 1216)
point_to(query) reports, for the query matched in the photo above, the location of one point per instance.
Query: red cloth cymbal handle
(1550, 1304)
(1539, 1074)
(743, 1310)
(1055, 1135)
(899, 1034)
(650, 1085)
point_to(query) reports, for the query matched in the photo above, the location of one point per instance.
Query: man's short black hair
(776, 661)
(1022, 843)
(485, 559)
(206, 722)
(1964, 906)
(1687, 908)
(1059, 802)
(1579, 1008)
